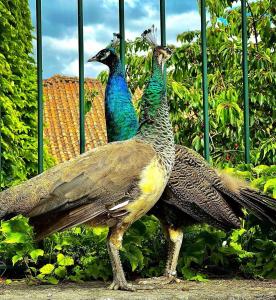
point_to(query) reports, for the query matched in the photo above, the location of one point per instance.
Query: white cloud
(65, 44)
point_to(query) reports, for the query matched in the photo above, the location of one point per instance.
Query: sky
(60, 32)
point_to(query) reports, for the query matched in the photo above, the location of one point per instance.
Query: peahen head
(108, 55)
(160, 54)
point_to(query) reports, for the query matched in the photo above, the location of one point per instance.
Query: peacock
(105, 186)
(196, 192)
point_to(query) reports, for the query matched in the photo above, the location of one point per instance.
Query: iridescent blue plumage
(120, 113)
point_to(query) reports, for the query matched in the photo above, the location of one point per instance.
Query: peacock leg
(114, 243)
(175, 237)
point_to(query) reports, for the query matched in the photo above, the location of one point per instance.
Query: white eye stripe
(119, 205)
(106, 55)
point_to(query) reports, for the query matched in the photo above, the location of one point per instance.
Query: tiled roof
(61, 116)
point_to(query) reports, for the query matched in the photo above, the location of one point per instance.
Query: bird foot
(120, 285)
(160, 280)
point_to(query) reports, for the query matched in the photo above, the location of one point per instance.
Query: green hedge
(18, 96)
(81, 254)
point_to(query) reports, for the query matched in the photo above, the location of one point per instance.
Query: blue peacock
(196, 192)
(119, 110)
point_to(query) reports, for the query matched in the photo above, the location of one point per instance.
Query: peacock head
(108, 55)
(105, 56)
(160, 53)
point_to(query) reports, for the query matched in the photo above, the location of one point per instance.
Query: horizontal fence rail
(122, 55)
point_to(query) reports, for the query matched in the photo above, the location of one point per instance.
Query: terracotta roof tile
(61, 115)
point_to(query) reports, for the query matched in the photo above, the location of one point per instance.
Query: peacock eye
(105, 56)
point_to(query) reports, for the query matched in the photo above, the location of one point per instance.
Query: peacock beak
(93, 58)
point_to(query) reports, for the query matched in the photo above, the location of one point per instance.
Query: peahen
(105, 186)
(196, 192)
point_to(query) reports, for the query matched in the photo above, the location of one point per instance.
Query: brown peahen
(105, 186)
(196, 192)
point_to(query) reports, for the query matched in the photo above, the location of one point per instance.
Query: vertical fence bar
(204, 80)
(245, 82)
(81, 77)
(163, 22)
(0, 147)
(163, 30)
(122, 32)
(39, 85)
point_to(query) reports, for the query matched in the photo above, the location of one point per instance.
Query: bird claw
(116, 285)
(160, 280)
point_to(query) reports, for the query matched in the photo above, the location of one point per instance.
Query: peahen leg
(175, 237)
(175, 242)
(114, 243)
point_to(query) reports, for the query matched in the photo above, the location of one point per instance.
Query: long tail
(261, 205)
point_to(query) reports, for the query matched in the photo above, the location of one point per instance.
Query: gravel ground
(213, 289)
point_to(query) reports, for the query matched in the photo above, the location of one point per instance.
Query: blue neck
(121, 119)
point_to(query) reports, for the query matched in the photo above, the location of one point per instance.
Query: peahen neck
(155, 127)
(121, 119)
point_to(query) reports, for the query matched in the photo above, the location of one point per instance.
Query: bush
(80, 253)
(18, 96)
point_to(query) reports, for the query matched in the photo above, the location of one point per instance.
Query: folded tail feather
(239, 192)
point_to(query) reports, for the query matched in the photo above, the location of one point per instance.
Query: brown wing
(104, 174)
(191, 189)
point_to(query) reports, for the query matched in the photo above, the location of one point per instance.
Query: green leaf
(47, 269)
(61, 271)
(271, 185)
(52, 280)
(100, 230)
(36, 253)
(16, 258)
(64, 260)
(8, 281)
(15, 238)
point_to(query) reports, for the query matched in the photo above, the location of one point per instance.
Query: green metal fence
(122, 54)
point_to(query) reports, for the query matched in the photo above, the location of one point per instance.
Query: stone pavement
(213, 289)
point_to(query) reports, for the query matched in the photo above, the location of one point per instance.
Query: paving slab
(213, 289)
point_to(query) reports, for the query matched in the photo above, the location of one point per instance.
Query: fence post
(39, 85)
(0, 148)
(163, 22)
(163, 31)
(204, 80)
(122, 32)
(245, 82)
(81, 77)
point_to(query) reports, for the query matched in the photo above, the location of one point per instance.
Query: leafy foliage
(80, 254)
(224, 50)
(18, 97)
